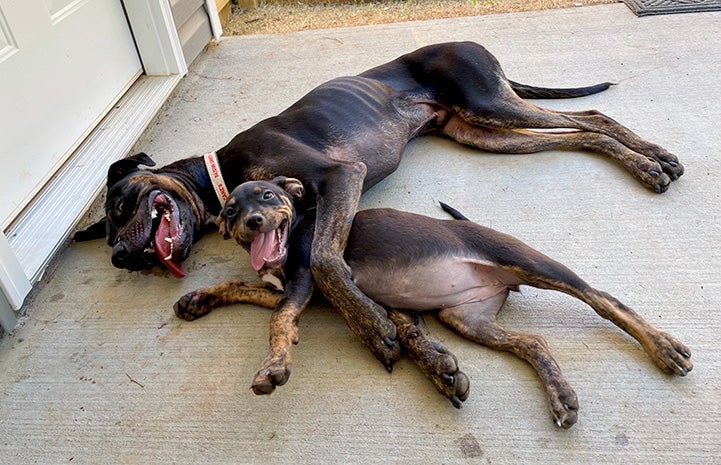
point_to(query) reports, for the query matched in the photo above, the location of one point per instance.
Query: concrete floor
(103, 373)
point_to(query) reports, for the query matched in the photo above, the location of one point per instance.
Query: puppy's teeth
(167, 216)
(154, 214)
(169, 257)
(168, 240)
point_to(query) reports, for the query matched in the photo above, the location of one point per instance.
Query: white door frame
(151, 22)
(13, 283)
(156, 37)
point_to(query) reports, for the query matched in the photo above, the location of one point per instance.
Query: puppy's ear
(294, 187)
(291, 185)
(122, 168)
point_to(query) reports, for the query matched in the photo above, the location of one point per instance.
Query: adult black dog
(345, 136)
(411, 263)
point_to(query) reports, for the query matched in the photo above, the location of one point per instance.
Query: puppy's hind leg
(667, 352)
(435, 361)
(476, 322)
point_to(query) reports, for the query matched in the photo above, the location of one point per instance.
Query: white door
(63, 64)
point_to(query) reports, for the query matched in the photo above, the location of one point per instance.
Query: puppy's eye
(267, 195)
(230, 212)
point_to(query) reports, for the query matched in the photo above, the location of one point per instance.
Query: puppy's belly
(431, 284)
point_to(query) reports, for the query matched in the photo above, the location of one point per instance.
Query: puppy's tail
(526, 91)
(453, 212)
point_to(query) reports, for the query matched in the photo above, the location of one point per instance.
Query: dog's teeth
(154, 214)
(167, 216)
(170, 255)
(149, 250)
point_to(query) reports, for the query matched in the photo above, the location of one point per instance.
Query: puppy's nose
(254, 221)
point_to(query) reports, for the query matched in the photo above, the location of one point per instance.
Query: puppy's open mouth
(167, 231)
(269, 249)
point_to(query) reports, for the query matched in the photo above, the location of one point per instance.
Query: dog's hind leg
(200, 302)
(434, 360)
(477, 322)
(655, 173)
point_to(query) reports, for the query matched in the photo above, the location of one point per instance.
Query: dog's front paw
(275, 373)
(194, 305)
(441, 367)
(669, 354)
(380, 337)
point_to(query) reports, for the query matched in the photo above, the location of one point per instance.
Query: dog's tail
(526, 91)
(453, 212)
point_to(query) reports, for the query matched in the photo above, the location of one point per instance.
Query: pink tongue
(175, 268)
(163, 249)
(261, 248)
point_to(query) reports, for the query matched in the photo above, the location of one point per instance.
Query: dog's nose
(254, 221)
(120, 255)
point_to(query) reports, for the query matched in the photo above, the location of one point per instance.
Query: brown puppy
(411, 263)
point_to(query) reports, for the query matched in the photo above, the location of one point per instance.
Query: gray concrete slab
(103, 373)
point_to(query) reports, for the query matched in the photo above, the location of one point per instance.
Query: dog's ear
(122, 168)
(94, 231)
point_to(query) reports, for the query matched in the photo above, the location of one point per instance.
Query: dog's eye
(117, 210)
(230, 212)
(267, 195)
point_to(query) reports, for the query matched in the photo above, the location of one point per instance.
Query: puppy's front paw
(193, 305)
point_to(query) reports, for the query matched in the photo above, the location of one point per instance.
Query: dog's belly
(434, 283)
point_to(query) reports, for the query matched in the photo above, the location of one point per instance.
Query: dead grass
(278, 16)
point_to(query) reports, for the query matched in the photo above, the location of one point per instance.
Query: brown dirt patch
(279, 16)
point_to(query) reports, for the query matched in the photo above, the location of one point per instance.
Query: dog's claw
(457, 403)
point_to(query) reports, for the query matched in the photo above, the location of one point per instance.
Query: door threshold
(43, 227)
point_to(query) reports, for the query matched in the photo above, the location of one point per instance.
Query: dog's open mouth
(166, 224)
(269, 249)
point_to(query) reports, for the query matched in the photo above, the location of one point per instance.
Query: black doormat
(664, 7)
